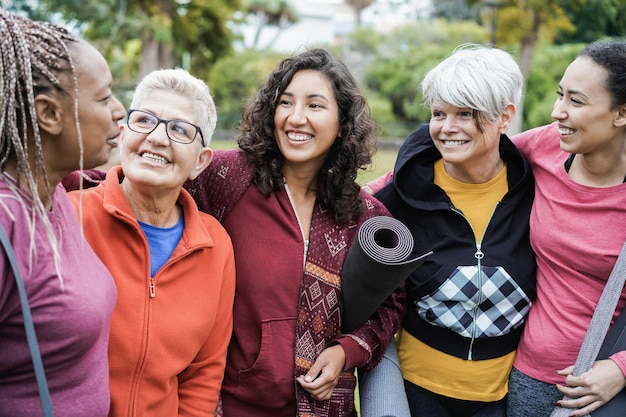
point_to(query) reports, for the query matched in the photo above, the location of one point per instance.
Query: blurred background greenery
(226, 43)
(388, 44)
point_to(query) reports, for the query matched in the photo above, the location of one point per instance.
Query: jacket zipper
(295, 212)
(479, 255)
(306, 253)
(152, 283)
(134, 396)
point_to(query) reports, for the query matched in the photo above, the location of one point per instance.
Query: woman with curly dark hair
(290, 202)
(335, 185)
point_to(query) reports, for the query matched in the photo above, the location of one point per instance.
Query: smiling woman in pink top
(577, 228)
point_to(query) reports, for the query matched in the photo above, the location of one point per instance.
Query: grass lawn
(383, 161)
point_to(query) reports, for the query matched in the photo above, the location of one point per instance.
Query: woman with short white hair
(173, 265)
(464, 191)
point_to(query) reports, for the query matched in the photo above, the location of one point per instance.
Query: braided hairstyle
(35, 56)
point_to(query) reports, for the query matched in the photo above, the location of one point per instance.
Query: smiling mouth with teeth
(154, 158)
(454, 142)
(563, 131)
(299, 138)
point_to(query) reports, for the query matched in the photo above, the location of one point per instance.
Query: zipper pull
(152, 288)
(479, 253)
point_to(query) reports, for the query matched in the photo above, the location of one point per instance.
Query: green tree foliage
(233, 80)
(618, 26)
(593, 19)
(543, 80)
(398, 79)
(456, 10)
(523, 22)
(203, 29)
(399, 60)
(169, 31)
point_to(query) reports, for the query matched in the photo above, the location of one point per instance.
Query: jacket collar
(414, 173)
(195, 234)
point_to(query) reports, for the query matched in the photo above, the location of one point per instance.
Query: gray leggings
(530, 397)
(382, 388)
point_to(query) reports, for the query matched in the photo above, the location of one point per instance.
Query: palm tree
(278, 13)
(359, 5)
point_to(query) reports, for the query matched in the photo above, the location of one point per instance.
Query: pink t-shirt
(377, 183)
(577, 232)
(71, 322)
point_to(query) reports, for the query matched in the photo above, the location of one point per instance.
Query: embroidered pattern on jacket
(223, 171)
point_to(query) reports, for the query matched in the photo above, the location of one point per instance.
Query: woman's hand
(323, 376)
(591, 389)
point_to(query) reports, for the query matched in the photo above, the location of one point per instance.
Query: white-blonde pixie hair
(181, 82)
(481, 78)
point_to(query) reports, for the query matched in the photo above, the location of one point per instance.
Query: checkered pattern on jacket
(476, 304)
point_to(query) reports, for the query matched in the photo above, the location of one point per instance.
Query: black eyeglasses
(141, 121)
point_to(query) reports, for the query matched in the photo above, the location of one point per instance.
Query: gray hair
(181, 82)
(481, 78)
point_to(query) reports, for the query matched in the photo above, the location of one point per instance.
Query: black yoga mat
(378, 261)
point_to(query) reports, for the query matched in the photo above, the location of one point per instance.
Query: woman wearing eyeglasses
(173, 266)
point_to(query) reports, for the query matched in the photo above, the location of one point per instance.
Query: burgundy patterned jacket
(226, 187)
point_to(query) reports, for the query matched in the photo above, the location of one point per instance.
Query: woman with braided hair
(58, 115)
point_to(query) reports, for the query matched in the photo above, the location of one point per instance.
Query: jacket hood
(414, 174)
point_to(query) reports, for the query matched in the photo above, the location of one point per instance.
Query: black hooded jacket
(468, 300)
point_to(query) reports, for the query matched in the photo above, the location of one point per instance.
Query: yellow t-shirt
(484, 380)
(476, 201)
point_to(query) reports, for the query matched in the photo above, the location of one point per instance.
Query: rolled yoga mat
(378, 261)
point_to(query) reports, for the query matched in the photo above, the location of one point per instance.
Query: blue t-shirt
(162, 242)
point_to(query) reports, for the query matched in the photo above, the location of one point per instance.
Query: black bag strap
(31, 337)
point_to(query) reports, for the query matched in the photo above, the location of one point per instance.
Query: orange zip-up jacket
(169, 334)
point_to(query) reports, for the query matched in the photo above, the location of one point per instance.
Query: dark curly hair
(337, 189)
